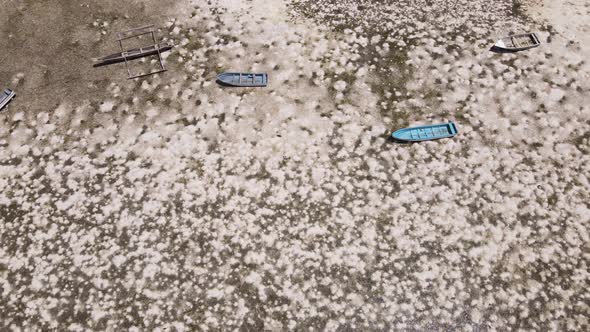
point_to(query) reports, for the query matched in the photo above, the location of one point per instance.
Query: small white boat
(518, 42)
(5, 97)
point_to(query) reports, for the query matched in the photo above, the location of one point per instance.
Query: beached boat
(132, 54)
(243, 79)
(426, 133)
(518, 42)
(5, 97)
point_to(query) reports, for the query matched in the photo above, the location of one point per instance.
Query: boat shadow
(227, 85)
(102, 64)
(107, 63)
(392, 140)
(498, 50)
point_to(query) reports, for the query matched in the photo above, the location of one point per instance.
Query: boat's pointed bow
(400, 134)
(221, 77)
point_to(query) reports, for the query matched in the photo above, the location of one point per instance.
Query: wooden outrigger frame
(137, 32)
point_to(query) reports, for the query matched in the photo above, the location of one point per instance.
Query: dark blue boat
(426, 133)
(243, 79)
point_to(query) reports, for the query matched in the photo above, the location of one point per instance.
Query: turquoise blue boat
(426, 133)
(243, 79)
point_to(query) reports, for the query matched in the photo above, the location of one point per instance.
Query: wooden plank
(157, 46)
(125, 58)
(135, 32)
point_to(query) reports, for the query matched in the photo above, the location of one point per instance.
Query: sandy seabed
(174, 204)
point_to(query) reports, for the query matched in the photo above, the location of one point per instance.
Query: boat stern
(500, 44)
(453, 128)
(536, 39)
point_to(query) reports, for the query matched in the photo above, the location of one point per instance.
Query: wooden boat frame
(134, 33)
(128, 55)
(132, 54)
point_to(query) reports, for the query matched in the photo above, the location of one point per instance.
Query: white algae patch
(180, 205)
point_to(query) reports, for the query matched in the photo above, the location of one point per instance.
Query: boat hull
(5, 97)
(243, 79)
(426, 133)
(131, 55)
(518, 42)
